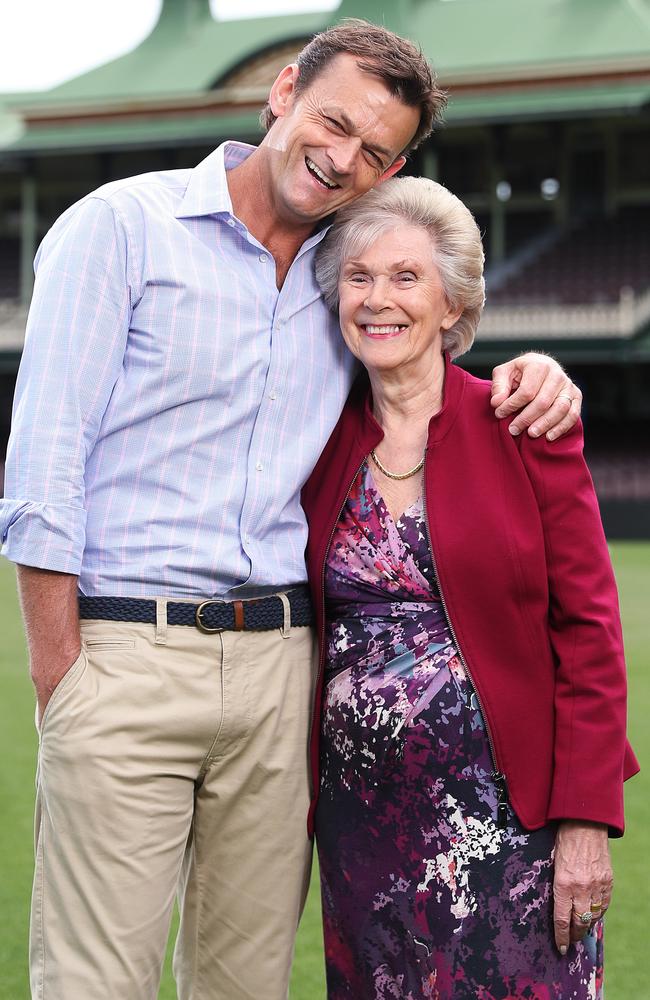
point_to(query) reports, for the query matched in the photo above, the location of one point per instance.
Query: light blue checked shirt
(171, 401)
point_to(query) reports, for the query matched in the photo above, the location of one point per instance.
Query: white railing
(620, 319)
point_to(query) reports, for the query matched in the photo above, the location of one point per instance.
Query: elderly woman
(473, 744)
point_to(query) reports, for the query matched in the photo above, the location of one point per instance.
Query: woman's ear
(451, 316)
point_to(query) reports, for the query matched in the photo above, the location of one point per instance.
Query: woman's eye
(358, 278)
(333, 122)
(406, 277)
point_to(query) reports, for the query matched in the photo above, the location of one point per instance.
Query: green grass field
(627, 955)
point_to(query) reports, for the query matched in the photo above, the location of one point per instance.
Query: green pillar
(497, 231)
(496, 173)
(429, 161)
(561, 207)
(611, 171)
(28, 235)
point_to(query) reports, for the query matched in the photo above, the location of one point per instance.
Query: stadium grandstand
(547, 139)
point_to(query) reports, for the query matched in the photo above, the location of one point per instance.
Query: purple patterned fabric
(424, 896)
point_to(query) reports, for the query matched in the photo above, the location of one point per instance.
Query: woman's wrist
(583, 824)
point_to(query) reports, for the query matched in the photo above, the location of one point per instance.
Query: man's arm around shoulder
(539, 392)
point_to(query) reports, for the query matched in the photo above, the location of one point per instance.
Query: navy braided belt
(258, 614)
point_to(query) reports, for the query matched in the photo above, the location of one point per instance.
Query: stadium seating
(620, 476)
(593, 262)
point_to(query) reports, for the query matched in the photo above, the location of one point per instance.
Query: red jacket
(524, 571)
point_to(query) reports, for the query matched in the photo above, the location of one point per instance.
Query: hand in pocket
(47, 677)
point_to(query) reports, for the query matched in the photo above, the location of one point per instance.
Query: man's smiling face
(333, 141)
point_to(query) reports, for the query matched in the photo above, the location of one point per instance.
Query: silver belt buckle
(199, 623)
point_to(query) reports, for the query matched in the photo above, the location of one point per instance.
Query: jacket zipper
(498, 777)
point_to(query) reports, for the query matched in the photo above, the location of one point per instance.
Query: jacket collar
(370, 433)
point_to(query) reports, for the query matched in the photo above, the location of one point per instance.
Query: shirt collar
(207, 190)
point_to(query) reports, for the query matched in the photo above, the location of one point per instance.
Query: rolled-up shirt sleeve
(75, 341)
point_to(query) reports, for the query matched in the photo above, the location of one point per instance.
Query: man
(179, 379)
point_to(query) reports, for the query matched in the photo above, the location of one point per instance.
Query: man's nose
(344, 153)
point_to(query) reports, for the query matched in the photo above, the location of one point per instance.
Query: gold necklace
(396, 475)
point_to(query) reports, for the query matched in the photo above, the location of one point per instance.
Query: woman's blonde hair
(455, 238)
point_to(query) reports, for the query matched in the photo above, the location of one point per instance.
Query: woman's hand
(583, 879)
(537, 386)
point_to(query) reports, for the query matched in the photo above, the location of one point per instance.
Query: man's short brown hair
(396, 61)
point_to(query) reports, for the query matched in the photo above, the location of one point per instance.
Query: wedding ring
(585, 918)
(596, 907)
(564, 395)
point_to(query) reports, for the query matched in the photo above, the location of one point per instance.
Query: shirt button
(231, 222)
(272, 395)
(259, 466)
(263, 258)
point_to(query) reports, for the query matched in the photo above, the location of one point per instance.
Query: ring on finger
(596, 907)
(564, 395)
(584, 918)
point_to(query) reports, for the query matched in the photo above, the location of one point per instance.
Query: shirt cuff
(44, 535)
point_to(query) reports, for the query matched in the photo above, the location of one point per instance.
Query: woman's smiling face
(392, 307)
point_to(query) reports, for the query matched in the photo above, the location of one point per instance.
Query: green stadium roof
(114, 135)
(502, 59)
(488, 39)
(211, 126)
(188, 51)
(548, 102)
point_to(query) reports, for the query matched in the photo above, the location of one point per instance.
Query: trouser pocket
(65, 685)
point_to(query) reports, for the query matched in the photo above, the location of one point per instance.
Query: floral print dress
(425, 895)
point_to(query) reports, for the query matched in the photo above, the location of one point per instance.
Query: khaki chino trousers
(173, 762)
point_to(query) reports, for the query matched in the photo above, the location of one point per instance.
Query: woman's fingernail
(534, 431)
(514, 430)
(563, 949)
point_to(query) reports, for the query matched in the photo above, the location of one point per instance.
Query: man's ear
(283, 90)
(393, 169)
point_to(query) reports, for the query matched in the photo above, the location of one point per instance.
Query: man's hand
(47, 675)
(51, 614)
(582, 883)
(537, 386)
